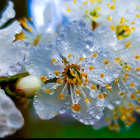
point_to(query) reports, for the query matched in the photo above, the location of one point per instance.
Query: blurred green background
(62, 126)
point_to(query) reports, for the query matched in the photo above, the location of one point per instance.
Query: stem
(13, 78)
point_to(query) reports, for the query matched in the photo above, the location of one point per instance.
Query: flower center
(71, 74)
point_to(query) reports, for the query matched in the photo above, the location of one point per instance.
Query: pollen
(137, 91)
(127, 45)
(126, 74)
(132, 85)
(91, 67)
(100, 96)
(102, 75)
(93, 87)
(127, 68)
(76, 107)
(53, 60)
(95, 54)
(87, 100)
(68, 10)
(43, 78)
(82, 59)
(61, 96)
(57, 73)
(48, 91)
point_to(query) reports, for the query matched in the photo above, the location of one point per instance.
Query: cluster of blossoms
(89, 68)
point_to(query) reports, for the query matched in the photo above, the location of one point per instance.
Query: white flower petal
(11, 58)
(10, 117)
(48, 106)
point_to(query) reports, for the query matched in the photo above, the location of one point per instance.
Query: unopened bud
(28, 86)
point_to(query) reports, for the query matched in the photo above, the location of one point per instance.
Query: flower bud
(28, 86)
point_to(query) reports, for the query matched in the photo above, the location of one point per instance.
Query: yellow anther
(30, 29)
(138, 99)
(138, 108)
(74, 81)
(91, 1)
(130, 105)
(133, 96)
(112, 27)
(117, 60)
(94, 17)
(137, 57)
(74, 1)
(137, 69)
(85, 2)
(137, 91)
(108, 4)
(108, 87)
(116, 81)
(99, 8)
(20, 36)
(57, 73)
(126, 74)
(23, 22)
(137, 6)
(48, 91)
(86, 80)
(109, 18)
(68, 10)
(100, 96)
(124, 79)
(70, 55)
(93, 87)
(95, 54)
(82, 59)
(127, 67)
(106, 61)
(137, 15)
(36, 40)
(107, 119)
(86, 12)
(122, 93)
(58, 80)
(76, 107)
(132, 85)
(105, 95)
(132, 22)
(112, 7)
(91, 67)
(120, 37)
(78, 91)
(87, 100)
(43, 78)
(127, 45)
(102, 75)
(61, 96)
(53, 60)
